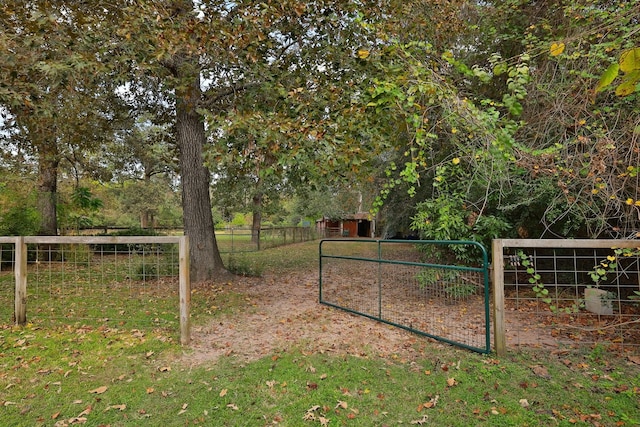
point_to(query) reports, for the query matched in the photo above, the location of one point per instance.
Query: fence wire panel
(84, 282)
(390, 281)
(571, 297)
(7, 279)
(238, 240)
(115, 284)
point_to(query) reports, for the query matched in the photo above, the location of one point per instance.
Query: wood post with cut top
(20, 268)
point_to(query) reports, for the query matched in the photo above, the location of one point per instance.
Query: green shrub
(447, 219)
(159, 265)
(146, 270)
(19, 221)
(127, 247)
(446, 283)
(243, 267)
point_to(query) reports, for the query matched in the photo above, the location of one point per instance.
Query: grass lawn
(62, 373)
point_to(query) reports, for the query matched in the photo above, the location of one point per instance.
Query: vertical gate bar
(499, 337)
(379, 280)
(320, 272)
(487, 314)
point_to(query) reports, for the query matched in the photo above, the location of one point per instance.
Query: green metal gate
(387, 280)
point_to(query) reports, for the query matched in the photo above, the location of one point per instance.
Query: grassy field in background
(66, 372)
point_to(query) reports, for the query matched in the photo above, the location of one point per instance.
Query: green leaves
(629, 64)
(608, 77)
(630, 60)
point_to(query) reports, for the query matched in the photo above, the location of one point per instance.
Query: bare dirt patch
(283, 313)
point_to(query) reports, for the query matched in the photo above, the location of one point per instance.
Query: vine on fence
(540, 290)
(610, 265)
(598, 275)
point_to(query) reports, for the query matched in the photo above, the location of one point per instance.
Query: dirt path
(284, 313)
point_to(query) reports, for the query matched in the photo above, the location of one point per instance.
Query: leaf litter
(284, 313)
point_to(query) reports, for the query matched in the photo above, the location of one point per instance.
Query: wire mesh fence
(568, 293)
(237, 240)
(7, 280)
(229, 239)
(97, 282)
(389, 281)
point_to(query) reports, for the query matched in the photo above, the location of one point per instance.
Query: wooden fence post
(497, 280)
(20, 269)
(185, 291)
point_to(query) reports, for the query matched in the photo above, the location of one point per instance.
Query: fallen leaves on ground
(430, 404)
(541, 371)
(421, 421)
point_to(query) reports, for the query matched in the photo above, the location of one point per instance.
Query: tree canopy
(462, 119)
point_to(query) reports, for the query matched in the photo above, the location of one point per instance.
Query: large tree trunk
(257, 219)
(206, 262)
(48, 189)
(47, 199)
(144, 219)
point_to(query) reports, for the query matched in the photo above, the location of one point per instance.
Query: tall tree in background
(143, 162)
(60, 109)
(196, 57)
(213, 59)
(35, 74)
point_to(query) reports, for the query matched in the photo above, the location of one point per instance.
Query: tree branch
(213, 97)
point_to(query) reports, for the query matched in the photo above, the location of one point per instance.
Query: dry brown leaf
(421, 421)
(86, 411)
(541, 371)
(99, 390)
(451, 382)
(223, 392)
(342, 405)
(431, 403)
